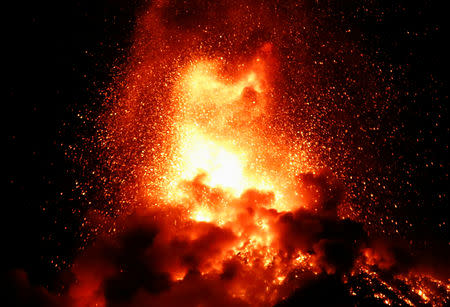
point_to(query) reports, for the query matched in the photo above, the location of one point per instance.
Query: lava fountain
(227, 170)
(217, 199)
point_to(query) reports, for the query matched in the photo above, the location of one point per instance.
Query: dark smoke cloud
(323, 291)
(335, 243)
(133, 267)
(396, 256)
(18, 291)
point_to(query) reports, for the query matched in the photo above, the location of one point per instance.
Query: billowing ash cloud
(159, 259)
(137, 266)
(18, 291)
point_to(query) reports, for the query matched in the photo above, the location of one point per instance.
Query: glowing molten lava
(227, 169)
(222, 131)
(229, 202)
(214, 126)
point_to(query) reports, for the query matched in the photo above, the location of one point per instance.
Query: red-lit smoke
(219, 195)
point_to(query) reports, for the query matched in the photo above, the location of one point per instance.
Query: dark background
(60, 54)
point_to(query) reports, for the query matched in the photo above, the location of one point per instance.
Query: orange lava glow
(227, 191)
(225, 195)
(228, 169)
(221, 133)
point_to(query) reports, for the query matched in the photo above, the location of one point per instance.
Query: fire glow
(221, 172)
(218, 137)
(230, 205)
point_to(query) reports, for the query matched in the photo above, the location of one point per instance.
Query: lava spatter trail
(223, 158)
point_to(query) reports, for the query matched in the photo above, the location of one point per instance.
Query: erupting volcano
(228, 173)
(233, 165)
